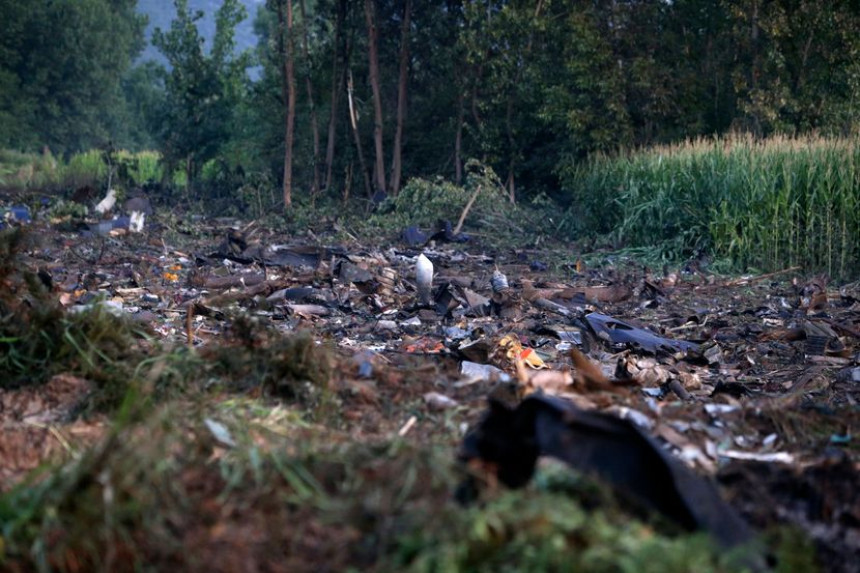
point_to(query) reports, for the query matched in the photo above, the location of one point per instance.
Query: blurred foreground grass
(242, 485)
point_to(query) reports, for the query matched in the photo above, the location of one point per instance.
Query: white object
(423, 278)
(499, 281)
(107, 203)
(135, 223)
(767, 457)
(437, 401)
(220, 432)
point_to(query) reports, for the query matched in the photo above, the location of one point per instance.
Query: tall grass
(764, 204)
(84, 169)
(41, 171)
(143, 166)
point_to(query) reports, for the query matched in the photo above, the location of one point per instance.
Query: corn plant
(766, 204)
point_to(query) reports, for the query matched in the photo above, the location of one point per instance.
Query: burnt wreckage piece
(616, 450)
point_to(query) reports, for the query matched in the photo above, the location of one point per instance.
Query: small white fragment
(107, 203)
(474, 371)
(386, 325)
(413, 321)
(773, 457)
(715, 410)
(635, 416)
(499, 282)
(423, 278)
(407, 426)
(437, 401)
(220, 432)
(135, 223)
(113, 307)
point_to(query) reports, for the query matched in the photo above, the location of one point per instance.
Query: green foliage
(61, 64)
(42, 171)
(424, 203)
(85, 168)
(143, 92)
(201, 89)
(258, 194)
(526, 87)
(142, 167)
(69, 210)
(23, 170)
(528, 531)
(765, 204)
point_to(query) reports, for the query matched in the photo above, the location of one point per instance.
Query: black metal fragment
(613, 449)
(622, 333)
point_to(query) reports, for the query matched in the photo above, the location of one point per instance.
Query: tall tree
(403, 77)
(284, 9)
(202, 90)
(373, 60)
(315, 131)
(339, 68)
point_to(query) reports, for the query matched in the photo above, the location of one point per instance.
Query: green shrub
(424, 202)
(138, 168)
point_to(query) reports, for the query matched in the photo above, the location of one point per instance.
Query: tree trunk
(338, 81)
(353, 121)
(509, 128)
(755, 68)
(509, 112)
(373, 55)
(285, 29)
(396, 161)
(315, 186)
(458, 139)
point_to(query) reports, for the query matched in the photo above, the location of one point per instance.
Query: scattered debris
(136, 220)
(755, 371)
(423, 278)
(620, 333)
(615, 450)
(107, 204)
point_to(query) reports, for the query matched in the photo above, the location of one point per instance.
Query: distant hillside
(162, 12)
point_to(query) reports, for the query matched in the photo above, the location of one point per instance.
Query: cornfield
(765, 204)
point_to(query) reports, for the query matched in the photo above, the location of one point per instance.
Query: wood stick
(189, 323)
(738, 282)
(465, 212)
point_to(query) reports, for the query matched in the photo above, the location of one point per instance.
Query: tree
(527, 86)
(403, 76)
(202, 90)
(61, 68)
(284, 10)
(373, 60)
(795, 63)
(306, 52)
(339, 66)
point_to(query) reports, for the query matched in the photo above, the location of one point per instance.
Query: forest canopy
(380, 91)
